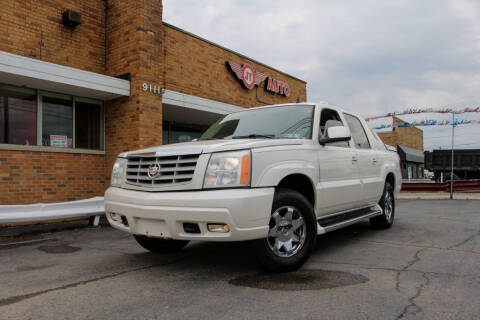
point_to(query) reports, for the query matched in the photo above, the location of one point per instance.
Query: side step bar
(343, 219)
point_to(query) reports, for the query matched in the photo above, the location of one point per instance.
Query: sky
(367, 56)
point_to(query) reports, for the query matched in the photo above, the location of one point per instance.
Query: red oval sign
(248, 76)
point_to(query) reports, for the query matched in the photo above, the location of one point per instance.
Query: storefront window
(181, 132)
(18, 115)
(88, 125)
(57, 122)
(63, 121)
(184, 135)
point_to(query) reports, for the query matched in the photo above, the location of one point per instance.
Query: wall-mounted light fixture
(71, 18)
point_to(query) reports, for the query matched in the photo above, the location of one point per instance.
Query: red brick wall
(33, 28)
(31, 177)
(134, 45)
(115, 37)
(196, 67)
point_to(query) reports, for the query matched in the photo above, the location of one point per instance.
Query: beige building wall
(409, 136)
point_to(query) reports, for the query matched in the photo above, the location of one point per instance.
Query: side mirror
(336, 134)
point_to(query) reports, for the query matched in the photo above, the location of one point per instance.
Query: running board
(337, 221)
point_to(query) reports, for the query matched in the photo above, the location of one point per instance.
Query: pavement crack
(465, 241)
(18, 298)
(403, 244)
(26, 243)
(412, 307)
(361, 265)
(370, 267)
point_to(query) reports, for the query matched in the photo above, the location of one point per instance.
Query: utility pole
(451, 171)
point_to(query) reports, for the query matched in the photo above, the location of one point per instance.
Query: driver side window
(330, 118)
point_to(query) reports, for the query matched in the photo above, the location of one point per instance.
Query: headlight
(117, 172)
(228, 169)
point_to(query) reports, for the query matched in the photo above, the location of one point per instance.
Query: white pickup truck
(278, 175)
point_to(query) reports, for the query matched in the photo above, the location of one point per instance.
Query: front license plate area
(154, 228)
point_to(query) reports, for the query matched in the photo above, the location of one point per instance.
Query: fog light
(114, 216)
(218, 227)
(191, 227)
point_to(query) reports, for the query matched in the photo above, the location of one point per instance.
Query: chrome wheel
(287, 231)
(388, 205)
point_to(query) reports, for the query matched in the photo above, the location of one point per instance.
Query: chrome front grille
(173, 170)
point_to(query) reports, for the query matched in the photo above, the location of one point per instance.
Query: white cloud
(369, 56)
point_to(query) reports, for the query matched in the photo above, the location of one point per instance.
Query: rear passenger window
(358, 132)
(375, 135)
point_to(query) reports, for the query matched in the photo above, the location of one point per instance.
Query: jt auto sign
(250, 78)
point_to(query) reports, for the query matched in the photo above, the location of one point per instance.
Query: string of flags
(425, 110)
(431, 122)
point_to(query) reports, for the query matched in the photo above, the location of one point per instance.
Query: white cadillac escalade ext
(278, 175)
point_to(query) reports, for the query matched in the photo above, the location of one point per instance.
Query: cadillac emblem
(153, 170)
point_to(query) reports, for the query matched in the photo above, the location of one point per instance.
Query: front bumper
(162, 214)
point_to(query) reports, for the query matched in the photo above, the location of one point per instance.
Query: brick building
(409, 143)
(411, 137)
(72, 97)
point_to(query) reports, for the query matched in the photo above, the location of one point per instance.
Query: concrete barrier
(458, 185)
(92, 207)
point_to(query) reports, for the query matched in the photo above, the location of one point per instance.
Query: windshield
(285, 122)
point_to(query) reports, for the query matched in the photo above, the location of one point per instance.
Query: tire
(387, 202)
(158, 245)
(292, 233)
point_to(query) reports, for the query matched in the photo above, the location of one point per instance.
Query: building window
(181, 132)
(88, 124)
(57, 122)
(29, 117)
(18, 115)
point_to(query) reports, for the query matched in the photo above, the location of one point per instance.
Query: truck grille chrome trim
(172, 170)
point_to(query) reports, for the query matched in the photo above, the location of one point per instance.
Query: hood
(208, 146)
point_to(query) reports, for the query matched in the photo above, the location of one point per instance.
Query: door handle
(354, 159)
(374, 160)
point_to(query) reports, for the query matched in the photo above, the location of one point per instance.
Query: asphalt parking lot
(426, 267)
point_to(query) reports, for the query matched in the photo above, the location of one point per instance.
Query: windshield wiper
(251, 136)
